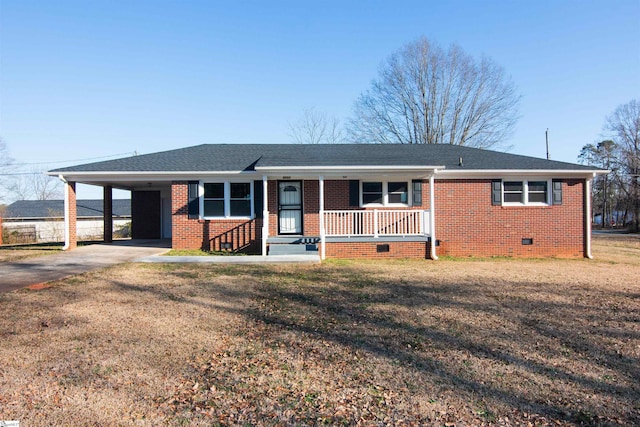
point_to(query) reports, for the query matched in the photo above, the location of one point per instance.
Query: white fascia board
(350, 171)
(493, 173)
(144, 175)
(280, 169)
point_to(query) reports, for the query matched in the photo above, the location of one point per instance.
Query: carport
(150, 205)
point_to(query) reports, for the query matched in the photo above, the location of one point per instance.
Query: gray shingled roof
(238, 157)
(55, 208)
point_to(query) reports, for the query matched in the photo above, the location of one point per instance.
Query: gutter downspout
(432, 218)
(66, 214)
(587, 216)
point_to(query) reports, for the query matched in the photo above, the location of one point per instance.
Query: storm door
(289, 207)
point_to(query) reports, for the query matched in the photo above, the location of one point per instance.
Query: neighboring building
(28, 221)
(355, 200)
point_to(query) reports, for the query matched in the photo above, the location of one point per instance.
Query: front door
(289, 207)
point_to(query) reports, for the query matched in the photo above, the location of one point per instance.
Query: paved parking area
(42, 269)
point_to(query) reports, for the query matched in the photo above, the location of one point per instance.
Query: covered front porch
(341, 220)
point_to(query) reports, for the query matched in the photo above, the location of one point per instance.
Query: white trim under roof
(349, 168)
(353, 172)
(492, 173)
(149, 173)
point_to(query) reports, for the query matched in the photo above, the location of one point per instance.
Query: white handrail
(347, 223)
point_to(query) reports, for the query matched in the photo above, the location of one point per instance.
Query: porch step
(293, 240)
(293, 249)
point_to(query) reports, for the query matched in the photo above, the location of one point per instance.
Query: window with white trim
(384, 193)
(227, 199)
(398, 192)
(525, 192)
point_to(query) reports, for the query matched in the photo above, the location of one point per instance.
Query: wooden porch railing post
(375, 223)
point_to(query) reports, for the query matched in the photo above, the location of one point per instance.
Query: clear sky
(89, 79)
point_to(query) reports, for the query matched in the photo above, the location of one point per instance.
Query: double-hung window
(214, 199)
(240, 199)
(227, 199)
(525, 192)
(383, 193)
(372, 193)
(398, 192)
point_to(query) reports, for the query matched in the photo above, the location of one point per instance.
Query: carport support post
(70, 215)
(107, 210)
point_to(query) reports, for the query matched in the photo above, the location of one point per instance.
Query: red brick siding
(336, 195)
(468, 225)
(272, 190)
(244, 235)
(311, 208)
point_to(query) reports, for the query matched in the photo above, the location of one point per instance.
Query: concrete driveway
(42, 269)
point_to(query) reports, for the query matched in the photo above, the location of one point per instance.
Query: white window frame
(227, 198)
(385, 194)
(525, 191)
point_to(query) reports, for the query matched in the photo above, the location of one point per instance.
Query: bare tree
(5, 164)
(624, 125)
(5, 159)
(427, 95)
(316, 127)
(34, 185)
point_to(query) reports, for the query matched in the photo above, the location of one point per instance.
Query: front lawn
(510, 342)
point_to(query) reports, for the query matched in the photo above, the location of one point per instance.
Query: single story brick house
(349, 200)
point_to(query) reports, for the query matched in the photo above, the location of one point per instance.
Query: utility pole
(546, 136)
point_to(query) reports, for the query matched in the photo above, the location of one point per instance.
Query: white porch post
(587, 217)
(321, 213)
(432, 217)
(265, 214)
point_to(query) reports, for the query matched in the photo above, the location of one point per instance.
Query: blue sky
(89, 79)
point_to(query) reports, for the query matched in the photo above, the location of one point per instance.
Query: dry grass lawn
(473, 342)
(15, 253)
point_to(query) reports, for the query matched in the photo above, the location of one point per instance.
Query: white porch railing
(376, 223)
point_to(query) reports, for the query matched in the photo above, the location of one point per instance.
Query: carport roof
(248, 157)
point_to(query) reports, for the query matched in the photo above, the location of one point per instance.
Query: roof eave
(344, 171)
(484, 173)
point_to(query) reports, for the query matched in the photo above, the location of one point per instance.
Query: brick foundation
(370, 250)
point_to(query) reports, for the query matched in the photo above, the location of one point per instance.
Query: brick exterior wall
(468, 225)
(243, 235)
(336, 195)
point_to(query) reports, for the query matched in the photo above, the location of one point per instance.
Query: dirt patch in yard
(511, 342)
